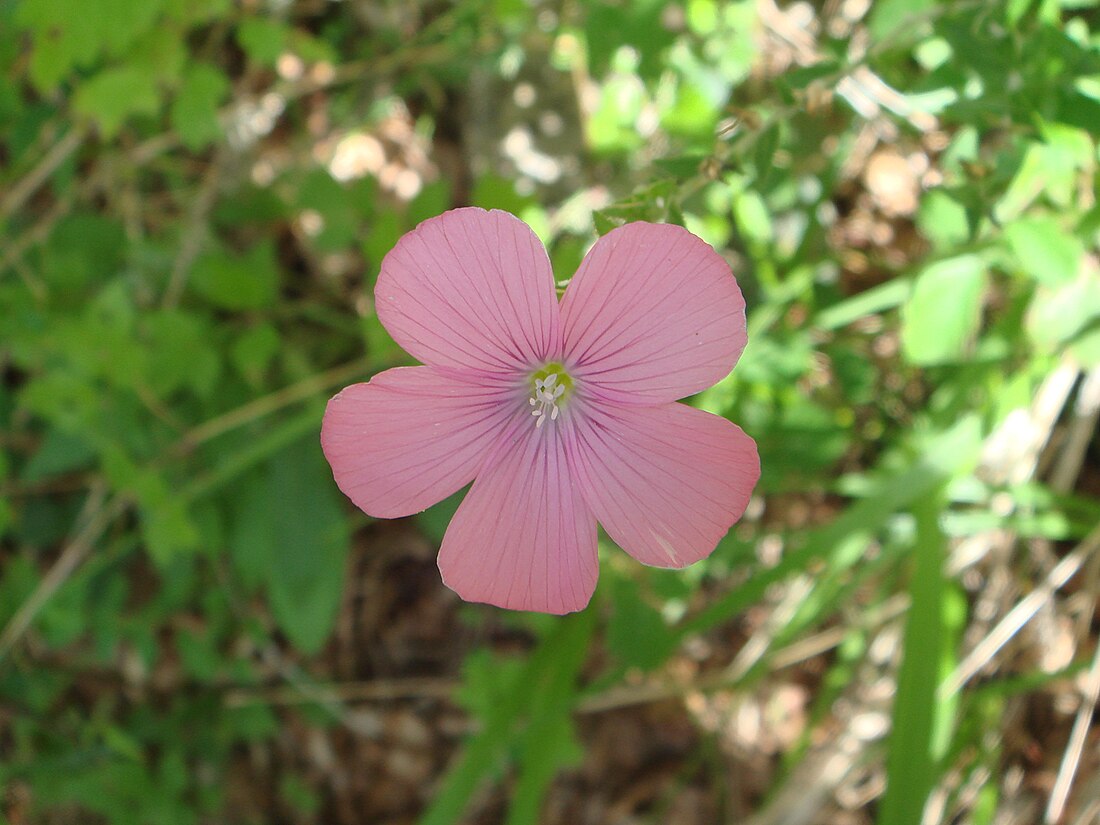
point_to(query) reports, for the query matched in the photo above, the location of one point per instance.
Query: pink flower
(561, 414)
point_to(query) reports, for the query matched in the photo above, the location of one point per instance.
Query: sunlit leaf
(941, 316)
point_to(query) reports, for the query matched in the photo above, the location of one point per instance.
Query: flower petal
(523, 538)
(410, 437)
(666, 482)
(653, 314)
(470, 289)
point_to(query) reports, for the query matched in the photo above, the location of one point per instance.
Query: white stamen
(545, 399)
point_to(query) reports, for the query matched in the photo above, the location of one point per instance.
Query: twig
(70, 558)
(826, 640)
(1086, 413)
(191, 245)
(757, 645)
(269, 404)
(12, 254)
(1020, 615)
(301, 687)
(613, 699)
(373, 691)
(33, 179)
(1076, 745)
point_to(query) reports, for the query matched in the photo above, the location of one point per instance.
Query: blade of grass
(841, 542)
(910, 765)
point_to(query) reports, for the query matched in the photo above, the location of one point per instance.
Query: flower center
(551, 387)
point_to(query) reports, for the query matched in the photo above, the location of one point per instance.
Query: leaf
(67, 34)
(692, 115)
(166, 524)
(942, 315)
(753, 220)
(943, 220)
(181, 353)
(339, 220)
(1086, 348)
(889, 15)
(435, 519)
(1045, 251)
(604, 223)
(111, 97)
(60, 452)
(196, 11)
(869, 302)
(262, 39)
(254, 350)
(252, 539)
(249, 281)
(1057, 315)
(549, 742)
(488, 683)
(82, 249)
(308, 547)
(637, 24)
(548, 681)
(195, 110)
(162, 53)
(636, 633)
(63, 36)
(910, 766)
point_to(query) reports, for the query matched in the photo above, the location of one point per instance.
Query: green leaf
(63, 35)
(122, 22)
(195, 110)
(60, 452)
(546, 687)
(752, 217)
(196, 11)
(1086, 348)
(168, 531)
(869, 302)
(82, 249)
(68, 34)
(604, 223)
(249, 281)
(943, 220)
(263, 39)
(339, 220)
(637, 24)
(254, 350)
(692, 115)
(1057, 315)
(889, 15)
(1044, 250)
(111, 97)
(549, 743)
(162, 53)
(910, 766)
(308, 545)
(636, 633)
(181, 353)
(496, 192)
(252, 539)
(942, 315)
(435, 519)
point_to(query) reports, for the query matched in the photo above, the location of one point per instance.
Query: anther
(545, 399)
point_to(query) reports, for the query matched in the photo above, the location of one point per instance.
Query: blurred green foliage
(181, 286)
